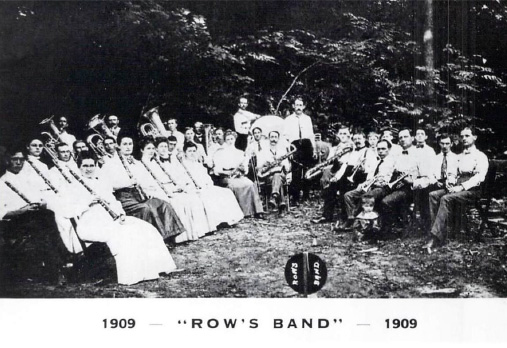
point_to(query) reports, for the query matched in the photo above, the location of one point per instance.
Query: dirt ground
(248, 260)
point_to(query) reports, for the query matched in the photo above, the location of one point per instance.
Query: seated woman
(230, 166)
(220, 203)
(137, 247)
(188, 206)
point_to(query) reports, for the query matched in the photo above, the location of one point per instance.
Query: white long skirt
(221, 205)
(137, 247)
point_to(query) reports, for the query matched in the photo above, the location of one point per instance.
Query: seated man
(27, 213)
(273, 169)
(472, 169)
(375, 184)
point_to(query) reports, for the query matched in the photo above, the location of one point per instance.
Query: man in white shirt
(409, 167)
(61, 129)
(172, 126)
(25, 209)
(298, 130)
(270, 156)
(425, 152)
(387, 134)
(444, 167)
(113, 123)
(375, 184)
(242, 123)
(471, 172)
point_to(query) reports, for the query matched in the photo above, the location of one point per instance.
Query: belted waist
(463, 177)
(126, 193)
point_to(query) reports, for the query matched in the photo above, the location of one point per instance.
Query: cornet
(311, 173)
(395, 183)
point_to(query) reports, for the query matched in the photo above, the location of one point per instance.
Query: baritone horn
(154, 127)
(96, 143)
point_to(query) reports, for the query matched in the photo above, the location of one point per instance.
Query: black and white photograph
(253, 149)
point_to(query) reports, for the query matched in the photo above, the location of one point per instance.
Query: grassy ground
(248, 260)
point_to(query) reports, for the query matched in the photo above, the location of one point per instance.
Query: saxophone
(266, 168)
(313, 172)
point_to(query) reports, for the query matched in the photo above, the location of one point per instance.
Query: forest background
(369, 64)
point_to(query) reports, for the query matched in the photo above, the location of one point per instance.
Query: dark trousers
(393, 203)
(277, 181)
(241, 142)
(446, 210)
(157, 212)
(303, 159)
(41, 227)
(352, 199)
(331, 198)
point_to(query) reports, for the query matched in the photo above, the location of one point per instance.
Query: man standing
(298, 130)
(471, 173)
(273, 171)
(242, 123)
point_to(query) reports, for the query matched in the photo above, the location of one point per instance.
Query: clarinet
(89, 189)
(188, 173)
(11, 186)
(58, 166)
(156, 180)
(46, 180)
(142, 194)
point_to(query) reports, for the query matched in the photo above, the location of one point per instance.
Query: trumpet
(266, 168)
(395, 183)
(367, 186)
(313, 172)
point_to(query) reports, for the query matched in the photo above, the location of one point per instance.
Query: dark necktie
(378, 167)
(299, 126)
(259, 145)
(443, 170)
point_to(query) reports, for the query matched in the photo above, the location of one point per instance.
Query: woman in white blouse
(221, 205)
(230, 166)
(137, 246)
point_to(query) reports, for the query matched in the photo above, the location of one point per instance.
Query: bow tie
(168, 159)
(130, 160)
(419, 146)
(467, 151)
(404, 152)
